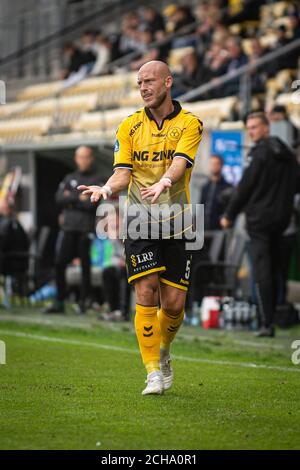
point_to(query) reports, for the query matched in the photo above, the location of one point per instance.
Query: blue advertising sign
(229, 144)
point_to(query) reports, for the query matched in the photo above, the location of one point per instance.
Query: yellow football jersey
(148, 151)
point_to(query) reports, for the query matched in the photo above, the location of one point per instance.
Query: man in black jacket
(265, 193)
(78, 226)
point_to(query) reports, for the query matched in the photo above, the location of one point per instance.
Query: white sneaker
(167, 371)
(155, 385)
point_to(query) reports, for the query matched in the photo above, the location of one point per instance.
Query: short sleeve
(189, 142)
(123, 147)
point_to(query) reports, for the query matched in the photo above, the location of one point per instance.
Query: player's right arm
(116, 183)
(122, 167)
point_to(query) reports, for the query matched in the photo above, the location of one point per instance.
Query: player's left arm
(184, 157)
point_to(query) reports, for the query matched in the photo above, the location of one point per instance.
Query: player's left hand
(155, 190)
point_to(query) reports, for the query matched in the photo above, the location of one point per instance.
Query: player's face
(257, 129)
(153, 89)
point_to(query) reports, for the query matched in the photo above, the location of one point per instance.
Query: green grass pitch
(75, 383)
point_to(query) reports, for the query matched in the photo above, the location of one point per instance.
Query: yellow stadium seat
(176, 56)
(41, 90)
(213, 111)
(23, 130)
(102, 120)
(132, 99)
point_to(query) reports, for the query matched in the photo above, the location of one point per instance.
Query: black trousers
(265, 252)
(287, 247)
(69, 246)
(116, 289)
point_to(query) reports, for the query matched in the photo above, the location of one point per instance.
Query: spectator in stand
(239, 11)
(211, 195)
(164, 46)
(133, 20)
(282, 37)
(168, 14)
(205, 30)
(182, 17)
(258, 77)
(73, 60)
(87, 41)
(153, 20)
(208, 16)
(295, 29)
(220, 34)
(128, 40)
(237, 59)
(214, 63)
(218, 38)
(149, 52)
(87, 46)
(295, 25)
(190, 77)
(286, 62)
(102, 49)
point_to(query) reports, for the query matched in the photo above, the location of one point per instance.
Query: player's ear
(169, 81)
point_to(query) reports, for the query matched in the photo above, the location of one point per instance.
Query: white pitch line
(135, 351)
(114, 327)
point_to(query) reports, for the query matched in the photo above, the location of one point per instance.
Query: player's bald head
(155, 82)
(156, 67)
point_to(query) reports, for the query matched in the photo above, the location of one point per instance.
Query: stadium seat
(280, 83)
(133, 98)
(40, 108)
(23, 130)
(102, 84)
(176, 55)
(41, 90)
(12, 109)
(213, 111)
(102, 120)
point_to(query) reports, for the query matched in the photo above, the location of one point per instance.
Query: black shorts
(167, 257)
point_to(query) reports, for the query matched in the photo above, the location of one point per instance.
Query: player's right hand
(95, 192)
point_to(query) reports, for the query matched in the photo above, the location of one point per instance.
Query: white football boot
(166, 370)
(155, 385)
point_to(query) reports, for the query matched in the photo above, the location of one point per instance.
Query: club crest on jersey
(174, 133)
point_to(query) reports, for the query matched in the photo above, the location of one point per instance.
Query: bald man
(155, 150)
(78, 227)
